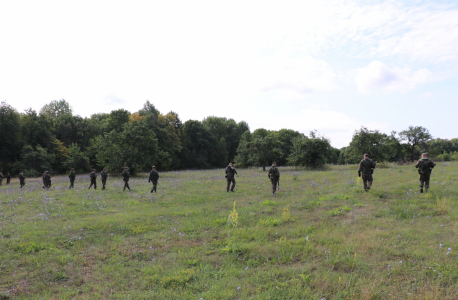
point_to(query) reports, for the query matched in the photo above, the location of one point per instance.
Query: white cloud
(379, 77)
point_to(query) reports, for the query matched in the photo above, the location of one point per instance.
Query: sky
(330, 66)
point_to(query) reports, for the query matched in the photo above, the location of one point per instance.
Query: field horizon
(320, 237)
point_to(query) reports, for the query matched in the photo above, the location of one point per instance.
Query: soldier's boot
(152, 190)
(227, 189)
(421, 190)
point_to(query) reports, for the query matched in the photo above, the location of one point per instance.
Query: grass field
(321, 237)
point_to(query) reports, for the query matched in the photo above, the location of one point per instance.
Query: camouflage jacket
(425, 165)
(8, 176)
(274, 174)
(104, 175)
(366, 166)
(93, 176)
(46, 178)
(72, 175)
(21, 177)
(230, 172)
(125, 175)
(153, 175)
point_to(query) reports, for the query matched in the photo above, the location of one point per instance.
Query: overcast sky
(333, 66)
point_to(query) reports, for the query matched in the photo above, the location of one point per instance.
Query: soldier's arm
(417, 164)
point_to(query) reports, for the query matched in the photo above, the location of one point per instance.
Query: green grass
(322, 236)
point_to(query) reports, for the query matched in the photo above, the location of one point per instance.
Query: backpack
(424, 166)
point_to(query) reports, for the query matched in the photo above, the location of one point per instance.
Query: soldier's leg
(364, 176)
(127, 184)
(427, 177)
(369, 180)
(95, 185)
(233, 184)
(274, 186)
(155, 186)
(1, 180)
(103, 183)
(228, 184)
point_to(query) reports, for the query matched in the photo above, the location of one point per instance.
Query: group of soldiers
(153, 177)
(365, 170)
(424, 165)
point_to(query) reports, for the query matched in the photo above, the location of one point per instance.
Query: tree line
(56, 140)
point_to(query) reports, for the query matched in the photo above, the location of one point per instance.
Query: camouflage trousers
(8, 180)
(93, 182)
(274, 185)
(229, 181)
(424, 180)
(154, 189)
(1, 181)
(22, 183)
(126, 185)
(104, 182)
(72, 183)
(367, 180)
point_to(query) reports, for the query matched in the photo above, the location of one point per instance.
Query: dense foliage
(56, 140)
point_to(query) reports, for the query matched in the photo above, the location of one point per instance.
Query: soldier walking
(1, 177)
(8, 178)
(366, 167)
(93, 177)
(230, 176)
(21, 179)
(274, 176)
(104, 176)
(425, 166)
(46, 180)
(153, 177)
(125, 177)
(72, 176)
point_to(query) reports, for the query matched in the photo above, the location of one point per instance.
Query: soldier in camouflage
(104, 176)
(153, 177)
(230, 177)
(72, 176)
(21, 179)
(424, 166)
(366, 167)
(274, 176)
(93, 177)
(46, 180)
(8, 178)
(1, 177)
(125, 177)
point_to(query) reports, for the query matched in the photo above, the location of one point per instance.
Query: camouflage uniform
(72, 176)
(104, 176)
(125, 177)
(230, 177)
(274, 176)
(366, 166)
(93, 177)
(1, 178)
(424, 166)
(154, 177)
(21, 179)
(8, 178)
(46, 180)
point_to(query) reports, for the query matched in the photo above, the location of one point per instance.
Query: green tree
(77, 159)
(117, 120)
(286, 137)
(35, 162)
(367, 141)
(413, 137)
(310, 152)
(56, 109)
(10, 135)
(199, 146)
(263, 151)
(135, 146)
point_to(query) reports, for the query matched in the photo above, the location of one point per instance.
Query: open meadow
(321, 237)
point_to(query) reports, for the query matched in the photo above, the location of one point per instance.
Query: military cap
(365, 154)
(154, 166)
(424, 154)
(93, 170)
(274, 162)
(126, 168)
